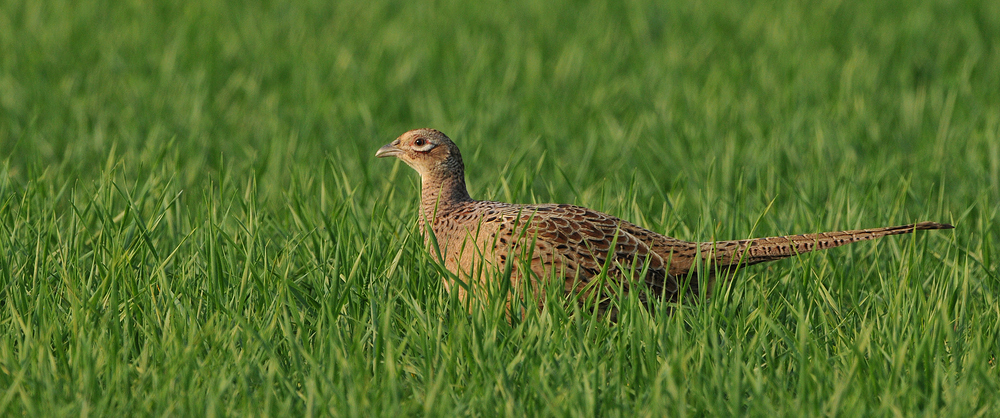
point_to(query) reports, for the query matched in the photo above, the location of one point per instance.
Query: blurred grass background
(192, 220)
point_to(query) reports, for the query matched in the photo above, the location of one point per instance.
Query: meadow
(193, 223)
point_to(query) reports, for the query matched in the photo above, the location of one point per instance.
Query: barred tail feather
(752, 251)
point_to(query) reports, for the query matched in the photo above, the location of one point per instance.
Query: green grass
(192, 221)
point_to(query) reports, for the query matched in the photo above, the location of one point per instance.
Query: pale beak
(389, 150)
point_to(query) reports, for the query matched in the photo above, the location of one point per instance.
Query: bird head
(428, 151)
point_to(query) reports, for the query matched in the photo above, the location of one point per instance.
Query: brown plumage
(479, 239)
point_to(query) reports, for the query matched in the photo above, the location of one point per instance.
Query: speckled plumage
(477, 239)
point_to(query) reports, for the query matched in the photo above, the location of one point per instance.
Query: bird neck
(440, 193)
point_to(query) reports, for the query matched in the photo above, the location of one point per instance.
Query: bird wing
(583, 243)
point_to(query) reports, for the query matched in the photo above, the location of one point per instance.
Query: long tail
(728, 254)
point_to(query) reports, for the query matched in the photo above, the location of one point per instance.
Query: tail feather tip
(932, 225)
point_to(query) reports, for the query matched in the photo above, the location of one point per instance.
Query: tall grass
(192, 221)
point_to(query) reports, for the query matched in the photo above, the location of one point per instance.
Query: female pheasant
(480, 240)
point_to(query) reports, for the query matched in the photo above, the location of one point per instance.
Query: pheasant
(478, 240)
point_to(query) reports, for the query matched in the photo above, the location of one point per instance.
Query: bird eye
(420, 142)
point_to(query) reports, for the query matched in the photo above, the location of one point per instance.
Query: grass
(192, 221)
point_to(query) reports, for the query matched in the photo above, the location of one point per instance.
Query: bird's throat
(439, 194)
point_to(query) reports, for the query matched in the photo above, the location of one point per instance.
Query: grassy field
(192, 222)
